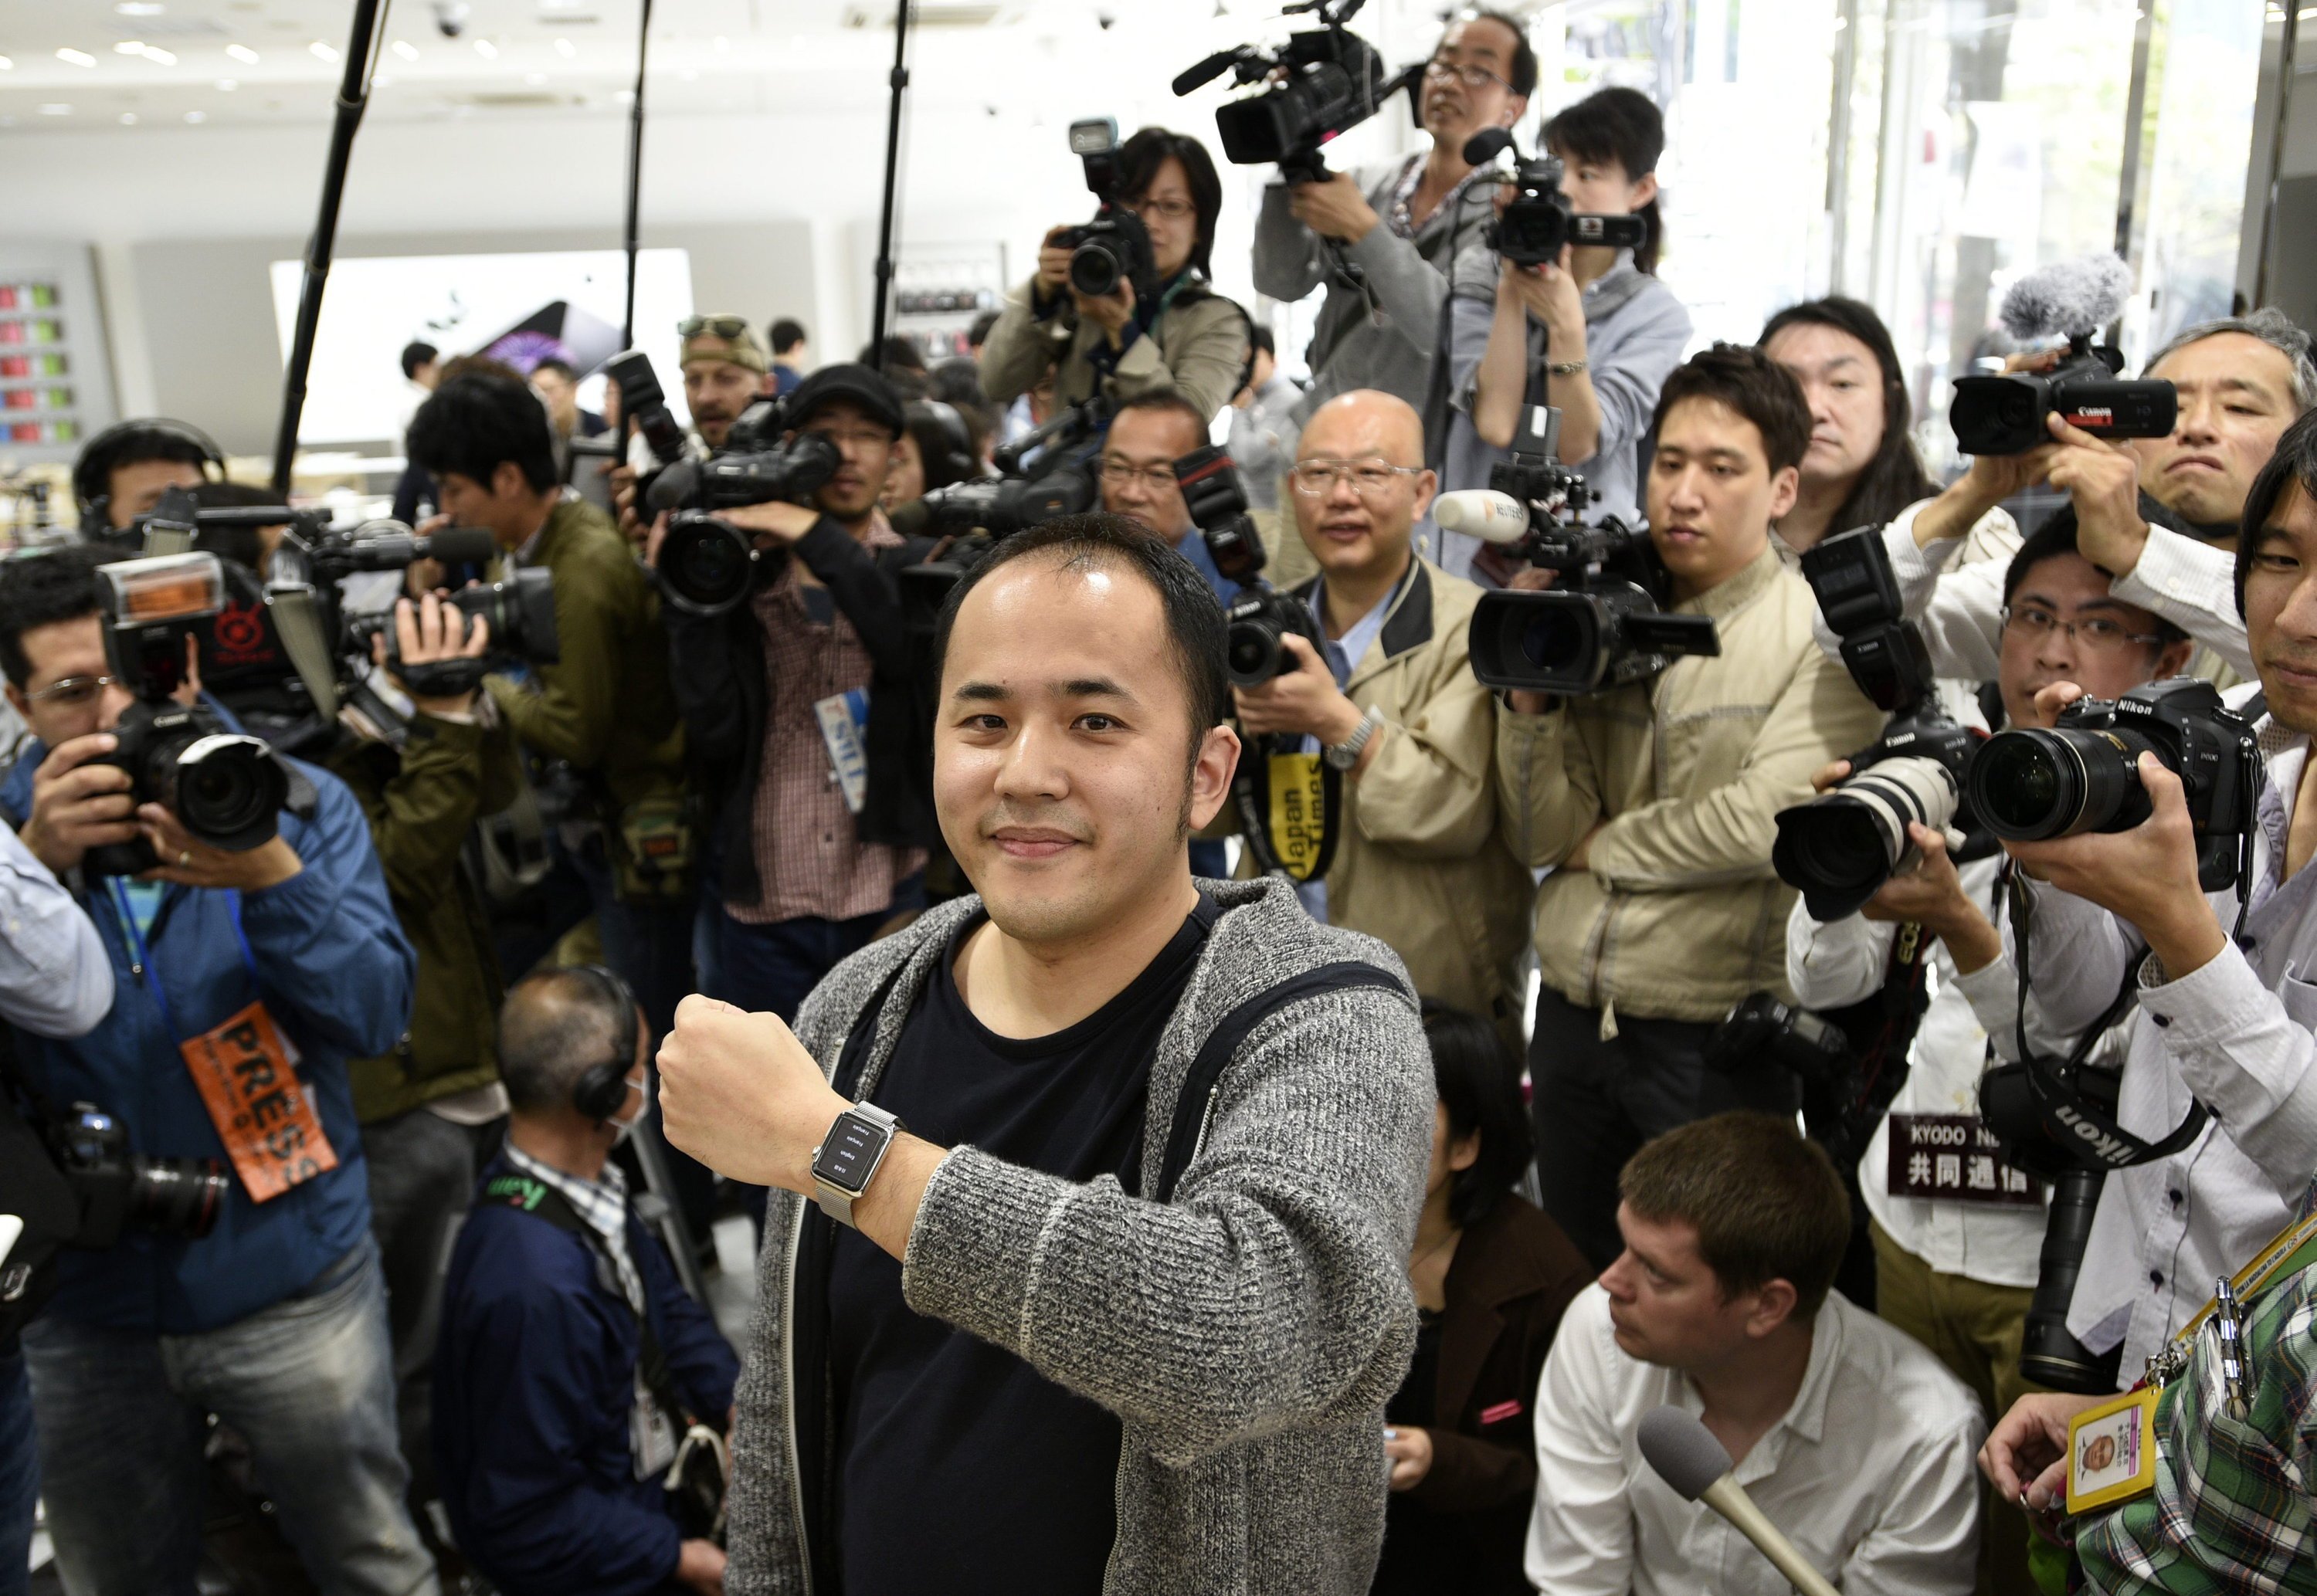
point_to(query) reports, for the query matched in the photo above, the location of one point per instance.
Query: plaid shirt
(2232, 1510)
(807, 857)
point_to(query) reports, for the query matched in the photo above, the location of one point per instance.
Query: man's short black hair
(1195, 617)
(2058, 536)
(415, 355)
(2294, 461)
(1752, 384)
(41, 589)
(565, 368)
(1479, 1084)
(475, 420)
(132, 443)
(978, 334)
(784, 334)
(1167, 401)
(1522, 76)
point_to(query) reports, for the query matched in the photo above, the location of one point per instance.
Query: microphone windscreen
(673, 487)
(1682, 1449)
(2069, 296)
(909, 520)
(1486, 145)
(463, 546)
(1482, 512)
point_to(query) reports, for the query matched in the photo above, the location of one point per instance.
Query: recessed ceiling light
(487, 49)
(159, 57)
(75, 57)
(566, 49)
(56, 110)
(131, 47)
(197, 116)
(405, 49)
(139, 7)
(242, 53)
(128, 118)
(323, 52)
(228, 85)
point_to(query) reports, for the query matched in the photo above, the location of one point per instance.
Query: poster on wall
(521, 308)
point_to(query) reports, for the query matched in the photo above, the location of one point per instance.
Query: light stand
(898, 81)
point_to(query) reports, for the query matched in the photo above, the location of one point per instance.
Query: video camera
(225, 787)
(707, 566)
(1839, 848)
(1046, 473)
(1608, 627)
(1334, 81)
(1539, 222)
(1114, 247)
(2007, 415)
(1261, 619)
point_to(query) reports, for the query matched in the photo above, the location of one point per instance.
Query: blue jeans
(20, 1475)
(308, 1382)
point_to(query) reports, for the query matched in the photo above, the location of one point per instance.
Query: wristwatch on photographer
(849, 1156)
(1345, 754)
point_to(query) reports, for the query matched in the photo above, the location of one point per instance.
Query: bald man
(1391, 702)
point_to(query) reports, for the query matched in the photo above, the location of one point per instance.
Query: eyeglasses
(73, 691)
(1473, 76)
(717, 327)
(1118, 473)
(1167, 210)
(2096, 633)
(1370, 479)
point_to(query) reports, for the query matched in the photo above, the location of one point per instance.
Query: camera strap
(2069, 1118)
(1290, 809)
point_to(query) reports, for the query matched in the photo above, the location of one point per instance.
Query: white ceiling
(222, 62)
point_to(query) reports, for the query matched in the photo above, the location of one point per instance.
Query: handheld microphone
(1482, 512)
(1687, 1458)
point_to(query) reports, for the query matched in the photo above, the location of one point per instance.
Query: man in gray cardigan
(1382, 239)
(1127, 1170)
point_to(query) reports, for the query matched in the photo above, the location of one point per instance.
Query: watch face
(849, 1152)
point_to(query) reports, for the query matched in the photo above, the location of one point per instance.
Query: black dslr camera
(2083, 774)
(1114, 247)
(1539, 223)
(1605, 625)
(1841, 846)
(1261, 618)
(708, 566)
(1334, 81)
(643, 403)
(116, 1189)
(227, 789)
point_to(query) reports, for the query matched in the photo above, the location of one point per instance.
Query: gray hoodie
(1246, 1331)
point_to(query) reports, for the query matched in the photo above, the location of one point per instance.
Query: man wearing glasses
(1419, 863)
(1382, 239)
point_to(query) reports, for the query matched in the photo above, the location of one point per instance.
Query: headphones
(600, 1093)
(957, 440)
(92, 472)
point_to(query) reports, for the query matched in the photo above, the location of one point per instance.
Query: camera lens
(228, 791)
(1553, 639)
(705, 566)
(177, 1196)
(1252, 652)
(1840, 847)
(1095, 268)
(2032, 785)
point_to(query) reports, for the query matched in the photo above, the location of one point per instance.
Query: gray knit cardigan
(1247, 1332)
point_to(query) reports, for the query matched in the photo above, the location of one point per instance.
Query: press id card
(2111, 1451)
(844, 732)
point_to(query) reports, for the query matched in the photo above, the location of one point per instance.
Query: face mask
(621, 1129)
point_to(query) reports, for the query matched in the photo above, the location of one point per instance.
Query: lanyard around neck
(147, 973)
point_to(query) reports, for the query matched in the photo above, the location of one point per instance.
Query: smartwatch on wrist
(1345, 754)
(848, 1158)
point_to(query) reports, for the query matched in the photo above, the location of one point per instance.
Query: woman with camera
(1593, 335)
(1176, 334)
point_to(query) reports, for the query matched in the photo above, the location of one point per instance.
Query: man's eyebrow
(981, 693)
(1078, 687)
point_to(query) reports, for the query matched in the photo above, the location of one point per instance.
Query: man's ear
(19, 703)
(1426, 485)
(1645, 189)
(1210, 774)
(1786, 487)
(1774, 1305)
(1512, 113)
(508, 480)
(2174, 658)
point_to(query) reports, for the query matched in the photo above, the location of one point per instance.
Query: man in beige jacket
(1419, 862)
(1655, 803)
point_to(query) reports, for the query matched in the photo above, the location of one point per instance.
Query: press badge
(247, 1073)
(1297, 802)
(844, 723)
(2111, 1451)
(651, 1437)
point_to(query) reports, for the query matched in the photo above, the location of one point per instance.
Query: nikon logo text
(2104, 1146)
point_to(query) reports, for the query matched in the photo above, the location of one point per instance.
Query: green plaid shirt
(2232, 1510)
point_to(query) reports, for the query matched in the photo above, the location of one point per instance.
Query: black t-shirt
(960, 1468)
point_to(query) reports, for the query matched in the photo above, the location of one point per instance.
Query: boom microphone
(463, 546)
(2068, 297)
(673, 486)
(1208, 70)
(1687, 1458)
(1481, 513)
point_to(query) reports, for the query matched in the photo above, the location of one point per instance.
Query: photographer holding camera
(423, 782)
(1957, 1259)
(243, 982)
(1655, 802)
(807, 868)
(2219, 1022)
(1593, 334)
(1419, 863)
(1382, 239)
(606, 709)
(1159, 326)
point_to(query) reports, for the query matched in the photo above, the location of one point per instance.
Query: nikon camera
(1261, 618)
(1604, 624)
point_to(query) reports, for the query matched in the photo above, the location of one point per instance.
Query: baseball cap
(859, 384)
(741, 344)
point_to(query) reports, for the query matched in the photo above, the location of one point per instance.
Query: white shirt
(56, 979)
(1870, 1473)
(1960, 610)
(1830, 965)
(2233, 1034)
